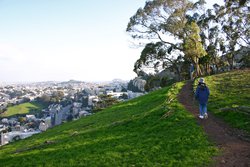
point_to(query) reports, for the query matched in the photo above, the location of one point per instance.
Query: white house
(115, 94)
(132, 95)
(84, 113)
(43, 126)
(30, 117)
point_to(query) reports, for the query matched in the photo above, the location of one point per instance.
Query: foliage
(245, 61)
(151, 130)
(158, 18)
(167, 28)
(230, 97)
(175, 25)
(56, 97)
(22, 120)
(104, 102)
(22, 109)
(192, 45)
(228, 29)
(235, 22)
(154, 81)
(152, 55)
(157, 56)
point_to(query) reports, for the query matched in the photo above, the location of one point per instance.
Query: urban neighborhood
(60, 101)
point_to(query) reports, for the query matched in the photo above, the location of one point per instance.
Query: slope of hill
(230, 97)
(152, 130)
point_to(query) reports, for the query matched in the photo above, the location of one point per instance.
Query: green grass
(22, 109)
(230, 97)
(151, 130)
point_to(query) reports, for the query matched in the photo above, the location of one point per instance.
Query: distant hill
(72, 82)
(151, 130)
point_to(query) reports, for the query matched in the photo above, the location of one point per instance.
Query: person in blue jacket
(191, 71)
(201, 94)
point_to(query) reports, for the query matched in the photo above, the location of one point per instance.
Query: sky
(60, 40)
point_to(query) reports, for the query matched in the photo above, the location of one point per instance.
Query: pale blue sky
(58, 40)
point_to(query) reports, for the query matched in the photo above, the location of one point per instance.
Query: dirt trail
(235, 148)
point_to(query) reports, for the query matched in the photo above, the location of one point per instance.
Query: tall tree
(234, 18)
(192, 45)
(211, 38)
(166, 21)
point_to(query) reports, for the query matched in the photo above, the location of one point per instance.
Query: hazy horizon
(89, 81)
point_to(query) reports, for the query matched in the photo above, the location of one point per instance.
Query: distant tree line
(55, 97)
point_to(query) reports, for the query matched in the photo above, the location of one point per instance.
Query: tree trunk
(208, 69)
(178, 72)
(198, 70)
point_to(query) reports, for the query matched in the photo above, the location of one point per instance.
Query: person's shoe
(205, 116)
(201, 117)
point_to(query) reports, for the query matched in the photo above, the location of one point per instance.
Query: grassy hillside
(25, 108)
(230, 97)
(152, 130)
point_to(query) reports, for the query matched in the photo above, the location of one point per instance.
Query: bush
(156, 81)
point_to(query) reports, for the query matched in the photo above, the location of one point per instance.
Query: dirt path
(235, 148)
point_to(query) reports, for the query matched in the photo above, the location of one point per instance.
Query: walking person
(191, 71)
(202, 94)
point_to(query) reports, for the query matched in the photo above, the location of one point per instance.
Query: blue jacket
(202, 93)
(191, 69)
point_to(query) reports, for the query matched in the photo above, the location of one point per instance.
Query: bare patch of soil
(234, 145)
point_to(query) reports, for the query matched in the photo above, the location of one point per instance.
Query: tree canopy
(201, 36)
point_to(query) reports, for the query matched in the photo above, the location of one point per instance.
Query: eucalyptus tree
(234, 18)
(192, 46)
(211, 38)
(166, 21)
